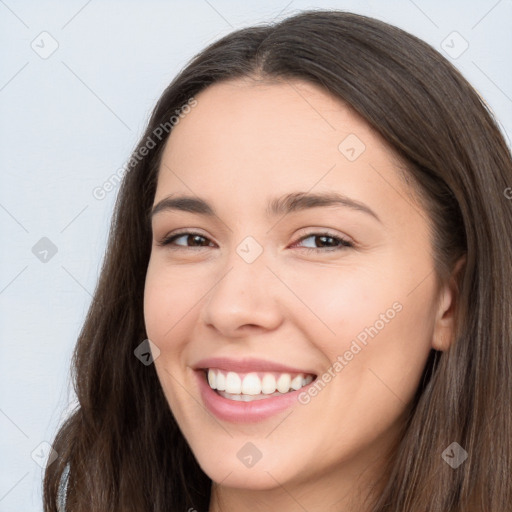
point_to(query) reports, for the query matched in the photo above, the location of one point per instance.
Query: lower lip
(244, 412)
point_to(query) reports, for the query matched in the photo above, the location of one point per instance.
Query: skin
(245, 142)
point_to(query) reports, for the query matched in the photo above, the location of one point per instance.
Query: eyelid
(319, 231)
(345, 242)
(167, 239)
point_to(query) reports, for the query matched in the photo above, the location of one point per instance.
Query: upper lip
(247, 365)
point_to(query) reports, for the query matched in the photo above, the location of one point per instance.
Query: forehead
(248, 139)
(256, 125)
(267, 114)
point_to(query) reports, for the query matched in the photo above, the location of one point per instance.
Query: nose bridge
(244, 295)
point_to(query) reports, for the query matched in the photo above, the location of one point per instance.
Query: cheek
(375, 329)
(409, 342)
(168, 300)
(337, 302)
(168, 306)
(384, 355)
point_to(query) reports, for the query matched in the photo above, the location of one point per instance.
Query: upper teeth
(256, 383)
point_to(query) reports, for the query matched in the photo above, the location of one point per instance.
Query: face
(314, 317)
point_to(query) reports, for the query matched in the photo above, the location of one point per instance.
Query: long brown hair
(122, 445)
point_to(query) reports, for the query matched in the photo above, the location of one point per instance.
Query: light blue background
(69, 121)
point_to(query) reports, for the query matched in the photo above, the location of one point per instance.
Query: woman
(306, 297)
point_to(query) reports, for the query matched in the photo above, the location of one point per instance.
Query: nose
(245, 299)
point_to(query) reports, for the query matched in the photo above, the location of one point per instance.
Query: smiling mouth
(248, 387)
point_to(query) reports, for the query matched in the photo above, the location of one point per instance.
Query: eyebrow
(289, 203)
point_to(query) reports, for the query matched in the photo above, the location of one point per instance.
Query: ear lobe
(444, 327)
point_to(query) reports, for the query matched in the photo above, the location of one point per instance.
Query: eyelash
(343, 243)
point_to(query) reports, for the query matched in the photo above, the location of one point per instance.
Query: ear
(444, 328)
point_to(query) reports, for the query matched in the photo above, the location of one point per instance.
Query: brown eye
(325, 242)
(195, 239)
